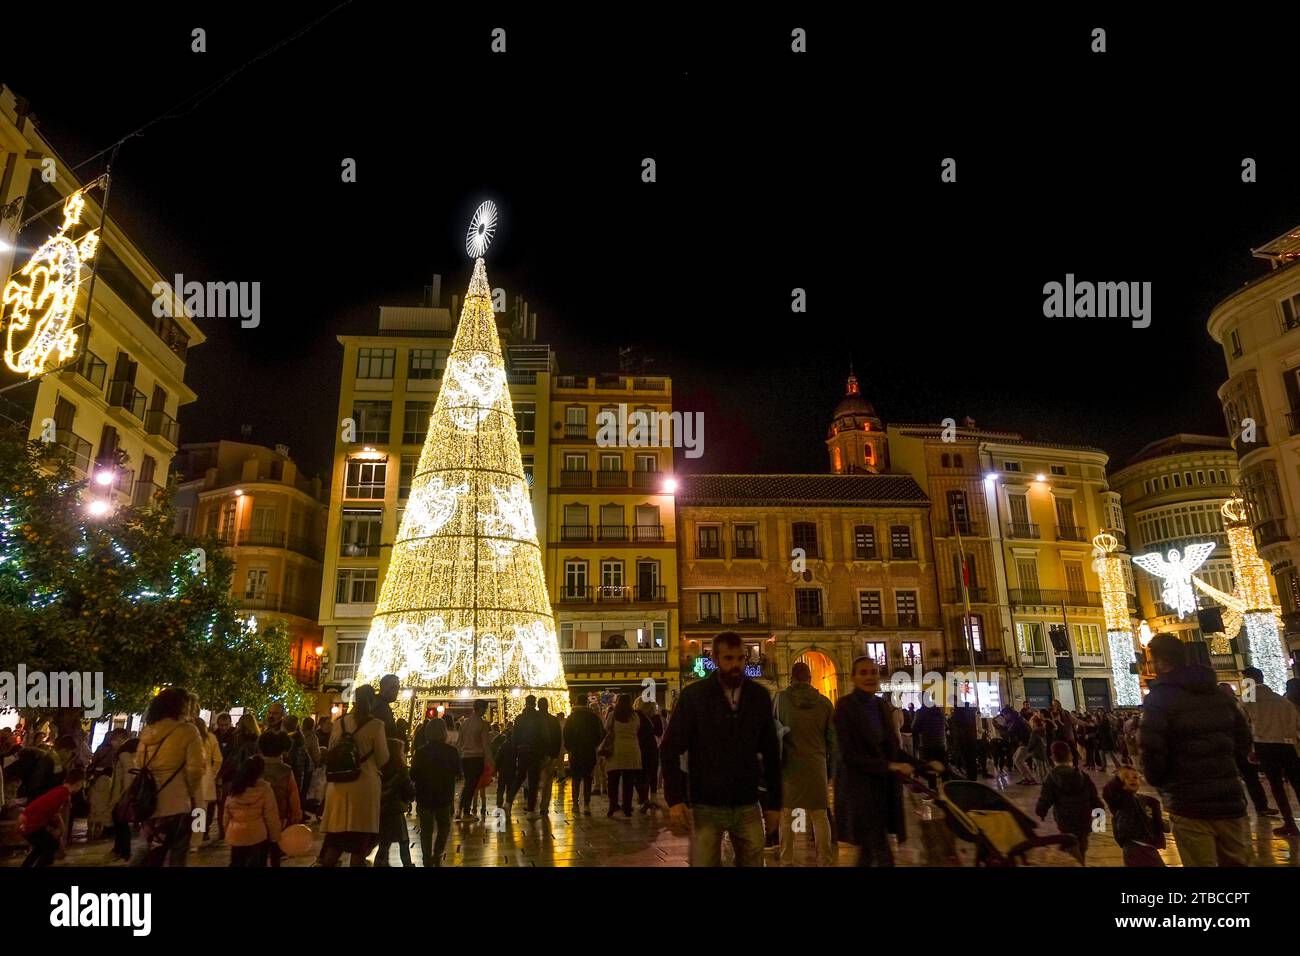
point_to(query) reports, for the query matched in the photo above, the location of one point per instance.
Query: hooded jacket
(1192, 736)
(1071, 796)
(810, 737)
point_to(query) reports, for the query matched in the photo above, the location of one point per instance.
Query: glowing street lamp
(104, 477)
(97, 507)
(670, 486)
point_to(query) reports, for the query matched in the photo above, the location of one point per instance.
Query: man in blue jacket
(723, 725)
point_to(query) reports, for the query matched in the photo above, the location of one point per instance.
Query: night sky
(774, 172)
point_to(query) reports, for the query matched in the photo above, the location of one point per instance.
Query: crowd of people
(735, 763)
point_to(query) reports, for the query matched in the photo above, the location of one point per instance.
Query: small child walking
(251, 819)
(1071, 796)
(395, 796)
(279, 775)
(1139, 823)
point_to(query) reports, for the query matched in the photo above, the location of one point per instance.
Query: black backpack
(342, 761)
(141, 798)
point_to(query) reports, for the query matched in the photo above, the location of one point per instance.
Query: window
(1234, 338)
(1177, 482)
(425, 364)
(900, 542)
(1065, 528)
(1074, 581)
(255, 584)
(647, 463)
(1027, 574)
(375, 363)
(575, 580)
(612, 526)
(808, 607)
(878, 651)
(406, 475)
(1058, 469)
(945, 460)
(659, 633)
(708, 541)
(365, 479)
(1290, 313)
(575, 421)
(566, 635)
(648, 527)
(526, 422)
(958, 512)
(911, 652)
(747, 607)
(374, 420)
(1029, 639)
(869, 608)
(575, 461)
(803, 534)
(1200, 477)
(710, 607)
(1164, 482)
(360, 532)
(611, 462)
(905, 605)
(349, 653)
(1087, 640)
(974, 628)
(864, 542)
(415, 422)
(575, 526)
(611, 576)
(1011, 466)
(746, 541)
(647, 581)
(956, 460)
(356, 586)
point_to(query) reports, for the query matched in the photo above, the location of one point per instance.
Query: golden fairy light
(1119, 629)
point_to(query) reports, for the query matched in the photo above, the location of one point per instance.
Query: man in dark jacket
(582, 735)
(1191, 738)
(530, 744)
(552, 745)
(434, 768)
(929, 733)
(723, 726)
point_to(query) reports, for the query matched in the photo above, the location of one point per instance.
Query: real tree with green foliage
(125, 595)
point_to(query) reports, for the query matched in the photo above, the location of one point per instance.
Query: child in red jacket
(42, 819)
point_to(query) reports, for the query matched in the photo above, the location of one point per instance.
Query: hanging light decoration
(1119, 628)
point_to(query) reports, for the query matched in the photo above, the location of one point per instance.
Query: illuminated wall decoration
(1119, 628)
(464, 610)
(1177, 574)
(41, 298)
(1252, 601)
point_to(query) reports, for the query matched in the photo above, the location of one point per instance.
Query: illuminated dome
(854, 411)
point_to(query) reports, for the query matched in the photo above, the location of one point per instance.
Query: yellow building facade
(611, 545)
(271, 521)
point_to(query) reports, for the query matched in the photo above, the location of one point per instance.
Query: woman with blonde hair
(622, 753)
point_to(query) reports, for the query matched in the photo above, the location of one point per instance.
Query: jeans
(1280, 763)
(529, 773)
(648, 785)
(432, 818)
(582, 781)
(166, 839)
(45, 845)
(1210, 842)
(1250, 776)
(472, 769)
(821, 829)
(743, 824)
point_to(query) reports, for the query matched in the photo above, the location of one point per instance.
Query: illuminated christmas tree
(464, 610)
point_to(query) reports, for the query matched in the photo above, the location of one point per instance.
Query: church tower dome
(856, 440)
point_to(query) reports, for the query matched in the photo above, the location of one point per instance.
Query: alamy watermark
(616, 428)
(76, 690)
(938, 689)
(1098, 300)
(211, 300)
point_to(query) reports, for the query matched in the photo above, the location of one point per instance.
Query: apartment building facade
(111, 407)
(1256, 328)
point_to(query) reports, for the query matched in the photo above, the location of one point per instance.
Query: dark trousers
(966, 750)
(528, 771)
(507, 787)
(628, 778)
(874, 850)
(1280, 763)
(648, 784)
(166, 840)
(45, 845)
(581, 781)
(1250, 776)
(255, 855)
(122, 839)
(472, 769)
(431, 819)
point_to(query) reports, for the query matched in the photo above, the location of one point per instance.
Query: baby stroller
(1002, 833)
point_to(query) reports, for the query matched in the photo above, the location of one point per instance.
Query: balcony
(123, 394)
(1067, 532)
(646, 479)
(967, 529)
(899, 554)
(1244, 448)
(575, 429)
(1038, 658)
(343, 672)
(959, 658)
(1270, 532)
(692, 617)
(614, 594)
(611, 479)
(575, 479)
(1291, 622)
(647, 532)
(1043, 597)
(840, 619)
(261, 538)
(143, 493)
(91, 369)
(636, 659)
(299, 605)
(73, 447)
(865, 554)
(747, 551)
(1224, 662)
(708, 550)
(1017, 529)
(157, 422)
(1293, 422)
(358, 549)
(611, 532)
(575, 532)
(977, 595)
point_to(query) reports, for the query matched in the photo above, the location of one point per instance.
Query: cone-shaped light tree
(464, 610)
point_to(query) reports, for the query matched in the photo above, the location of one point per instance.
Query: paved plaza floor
(562, 838)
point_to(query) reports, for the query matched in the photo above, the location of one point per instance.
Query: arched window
(956, 461)
(946, 460)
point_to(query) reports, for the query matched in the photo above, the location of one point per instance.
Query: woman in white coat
(208, 791)
(351, 821)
